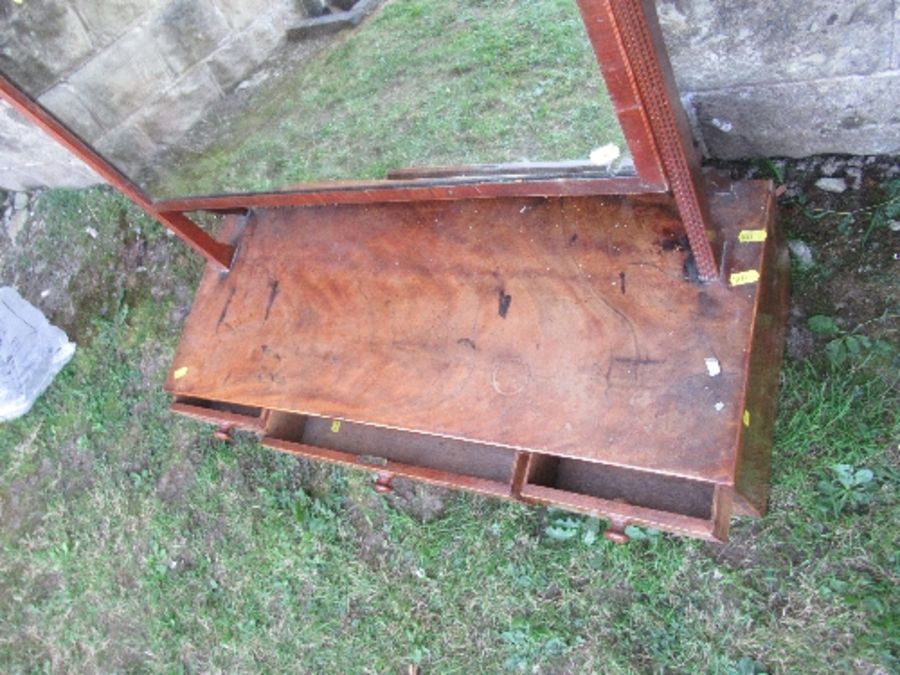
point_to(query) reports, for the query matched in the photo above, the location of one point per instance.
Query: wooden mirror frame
(628, 43)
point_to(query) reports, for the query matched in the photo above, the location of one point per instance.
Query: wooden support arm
(216, 252)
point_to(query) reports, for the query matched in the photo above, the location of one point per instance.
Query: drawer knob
(616, 531)
(223, 433)
(383, 483)
(616, 537)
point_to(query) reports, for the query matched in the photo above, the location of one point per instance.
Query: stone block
(40, 42)
(333, 23)
(48, 173)
(16, 131)
(120, 79)
(32, 352)
(343, 5)
(241, 13)
(363, 8)
(239, 56)
(322, 25)
(314, 8)
(29, 158)
(895, 57)
(848, 115)
(716, 44)
(166, 119)
(64, 102)
(128, 148)
(109, 19)
(187, 31)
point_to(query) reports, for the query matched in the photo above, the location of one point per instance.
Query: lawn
(423, 82)
(131, 540)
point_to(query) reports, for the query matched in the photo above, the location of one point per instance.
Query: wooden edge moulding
(607, 344)
(522, 476)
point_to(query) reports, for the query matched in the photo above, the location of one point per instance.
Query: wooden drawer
(623, 496)
(628, 496)
(443, 461)
(219, 413)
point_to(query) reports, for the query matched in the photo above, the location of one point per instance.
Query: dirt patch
(424, 502)
(154, 364)
(175, 484)
(369, 522)
(21, 510)
(849, 234)
(799, 340)
(23, 503)
(741, 551)
(79, 255)
(126, 642)
(76, 469)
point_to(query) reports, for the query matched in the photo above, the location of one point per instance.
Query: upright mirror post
(632, 55)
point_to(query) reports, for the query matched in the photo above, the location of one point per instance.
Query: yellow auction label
(741, 278)
(181, 372)
(746, 418)
(749, 236)
(335, 426)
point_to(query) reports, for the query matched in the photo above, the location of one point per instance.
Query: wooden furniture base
(552, 350)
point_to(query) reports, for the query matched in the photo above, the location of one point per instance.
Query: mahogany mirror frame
(627, 41)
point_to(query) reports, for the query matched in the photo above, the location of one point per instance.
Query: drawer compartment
(628, 486)
(218, 412)
(627, 496)
(476, 466)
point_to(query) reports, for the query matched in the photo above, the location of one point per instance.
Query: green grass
(424, 82)
(130, 540)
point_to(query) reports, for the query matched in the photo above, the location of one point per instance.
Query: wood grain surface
(559, 325)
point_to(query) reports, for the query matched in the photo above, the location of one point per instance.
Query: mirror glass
(228, 96)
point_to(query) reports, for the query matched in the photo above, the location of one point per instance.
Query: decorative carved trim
(638, 33)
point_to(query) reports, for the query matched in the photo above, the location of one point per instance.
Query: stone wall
(129, 76)
(759, 77)
(788, 77)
